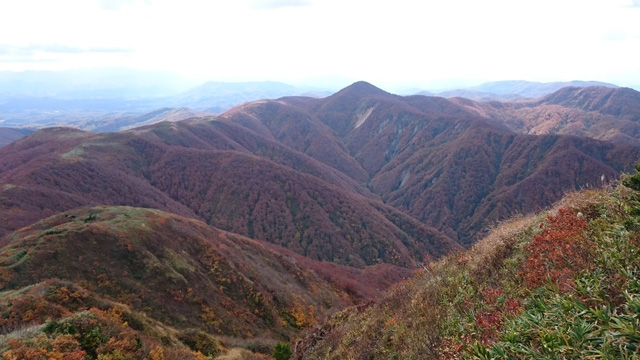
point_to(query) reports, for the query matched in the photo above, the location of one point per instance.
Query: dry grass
(24, 331)
(241, 354)
(502, 239)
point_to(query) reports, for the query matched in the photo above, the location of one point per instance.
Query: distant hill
(9, 135)
(514, 90)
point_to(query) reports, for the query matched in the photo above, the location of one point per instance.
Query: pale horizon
(400, 45)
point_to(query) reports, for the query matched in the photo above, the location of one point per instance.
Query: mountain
(445, 163)
(314, 171)
(193, 169)
(604, 113)
(8, 135)
(514, 90)
(558, 284)
(175, 271)
(260, 221)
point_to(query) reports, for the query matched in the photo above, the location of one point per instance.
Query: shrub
(282, 351)
(200, 341)
(633, 181)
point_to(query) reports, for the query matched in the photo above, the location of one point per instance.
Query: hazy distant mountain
(8, 135)
(93, 101)
(219, 96)
(119, 123)
(514, 90)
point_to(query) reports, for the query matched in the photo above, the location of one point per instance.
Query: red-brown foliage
(559, 252)
(490, 321)
(274, 170)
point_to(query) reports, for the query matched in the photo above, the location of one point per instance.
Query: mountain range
(225, 222)
(397, 156)
(113, 100)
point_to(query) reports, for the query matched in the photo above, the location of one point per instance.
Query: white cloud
(114, 4)
(276, 4)
(381, 41)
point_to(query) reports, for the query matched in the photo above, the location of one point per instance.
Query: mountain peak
(362, 88)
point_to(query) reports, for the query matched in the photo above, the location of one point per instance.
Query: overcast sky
(427, 44)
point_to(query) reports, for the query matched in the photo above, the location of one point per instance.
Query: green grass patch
(178, 262)
(77, 151)
(6, 187)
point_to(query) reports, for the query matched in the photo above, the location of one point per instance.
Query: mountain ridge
(512, 90)
(407, 151)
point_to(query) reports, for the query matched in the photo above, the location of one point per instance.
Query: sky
(425, 44)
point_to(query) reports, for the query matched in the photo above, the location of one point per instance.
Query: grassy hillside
(561, 284)
(169, 279)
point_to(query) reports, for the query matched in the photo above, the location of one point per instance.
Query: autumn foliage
(559, 252)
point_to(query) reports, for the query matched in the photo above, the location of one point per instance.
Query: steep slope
(179, 271)
(484, 176)
(60, 169)
(297, 129)
(562, 285)
(620, 102)
(222, 173)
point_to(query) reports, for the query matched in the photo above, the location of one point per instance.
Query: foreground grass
(558, 285)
